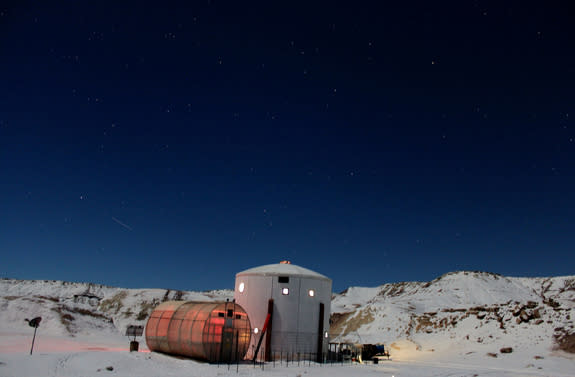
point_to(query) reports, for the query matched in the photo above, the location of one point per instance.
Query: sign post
(34, 322)
(134, 331)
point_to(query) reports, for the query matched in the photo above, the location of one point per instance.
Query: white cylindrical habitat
(294, 301)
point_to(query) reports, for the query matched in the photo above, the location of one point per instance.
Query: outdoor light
(285, 291)
(311, 293)
(241, 287)
(256, 330)
(326, 334)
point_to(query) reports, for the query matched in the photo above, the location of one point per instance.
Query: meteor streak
(121, 223)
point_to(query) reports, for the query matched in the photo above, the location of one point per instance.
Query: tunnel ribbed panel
(212, 331)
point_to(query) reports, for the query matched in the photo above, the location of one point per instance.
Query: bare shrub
(566, 342)
(115, 303)
(145, 309)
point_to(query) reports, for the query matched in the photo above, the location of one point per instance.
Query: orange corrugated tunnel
(212, 331)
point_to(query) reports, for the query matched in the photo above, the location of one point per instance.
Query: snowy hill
(70, 309)
(460, 313)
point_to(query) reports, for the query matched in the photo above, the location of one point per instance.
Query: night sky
(172, 145)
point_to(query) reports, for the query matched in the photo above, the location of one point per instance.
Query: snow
(454, 325)
(88, 362)
(283, 269)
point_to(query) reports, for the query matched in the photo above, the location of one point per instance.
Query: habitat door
(228, 336)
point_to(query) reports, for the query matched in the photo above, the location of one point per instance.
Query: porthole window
(311, 293)
(241, 287)
(285, 291)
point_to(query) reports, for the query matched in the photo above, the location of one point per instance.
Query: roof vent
(285, 262)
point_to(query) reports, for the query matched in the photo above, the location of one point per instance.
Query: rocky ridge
(449, 314)
(458, 308)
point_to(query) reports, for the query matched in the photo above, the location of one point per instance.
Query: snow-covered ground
(455, 325)
(104, 356)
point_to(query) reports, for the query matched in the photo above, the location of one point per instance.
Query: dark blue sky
(175, 144)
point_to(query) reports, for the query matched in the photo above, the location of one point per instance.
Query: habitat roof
(283, 269)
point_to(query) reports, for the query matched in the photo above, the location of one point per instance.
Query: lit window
(311, 293)
(242, 287)
(285, 291)
(256, 330)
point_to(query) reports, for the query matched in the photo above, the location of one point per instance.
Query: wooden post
(33, 339)
(266, 333)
